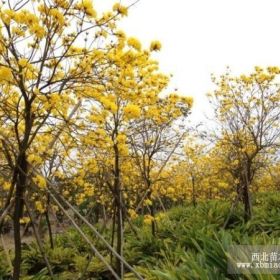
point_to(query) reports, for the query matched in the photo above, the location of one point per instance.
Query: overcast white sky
(201, 37)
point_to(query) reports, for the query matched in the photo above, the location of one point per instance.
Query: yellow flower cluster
(40, 181)
(38, 30)
(170, 190)
(132, 214)
(273, 70)
(87, 7)
(155, 46)
(34, 158)
(134, 43)
(109, 105)
(132, 111)
(24, 220)
(6, 186)
(7, 16)
(122, 10)
(80, 198)
(22, 62)
(5, 74)
(121, 138)
(147, 202)
(18, 31)
(57, 16)
(62, 3)
(188, 100)
(39, 206)
(26, 18)
(148, 219)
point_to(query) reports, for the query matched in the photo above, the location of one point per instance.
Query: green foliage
(5, 271)
(190, 244)
(194, 244)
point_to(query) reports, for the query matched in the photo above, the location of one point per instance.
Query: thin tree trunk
(119, 213)
(246, 193)
(247, 203)
(119, 263)
(153, 224)
(18, 212)
(48, 223)
(193, 192)
(113, 232)
(49, 228)
(152, 207)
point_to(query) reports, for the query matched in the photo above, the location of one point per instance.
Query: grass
(190, 244)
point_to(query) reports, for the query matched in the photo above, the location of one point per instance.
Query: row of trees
(242, 154)
(77, 97)
(85, 126)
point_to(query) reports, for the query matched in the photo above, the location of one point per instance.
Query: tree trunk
(113, 232)
(119, 213)
(247, 203)
(246, 193)
(49, 228)
(153, 224)
(119, 264)
(18, 212)
(193, 192)
(152, 207)
(96, 213)
(49, 223)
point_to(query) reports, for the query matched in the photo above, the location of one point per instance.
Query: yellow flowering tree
(47, 51)
(247, 111)
(113, 104)
(154, 138)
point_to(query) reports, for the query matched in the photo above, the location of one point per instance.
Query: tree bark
(119, 213)
(247, 203)
(49, 229)
(18, 211)
(153, 224)
(193, 192)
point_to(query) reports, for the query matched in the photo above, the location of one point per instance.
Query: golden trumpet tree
(114, 103)
(247, 113)
(47, 51)
(154, 138)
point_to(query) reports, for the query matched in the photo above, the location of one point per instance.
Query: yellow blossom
(39, 206)
(155, 46)
(6, 186)
(134, 43)
(148, 219)
(62, 3)
(40, 181)
(87, 7)
(122, 10)
(22, 62)
(5, 74)
(38, 30)
(24, 220)
(170, 190)
(35, 159)
(147, 202)
(58, 16)
(132, 111)
(132, 214)
(121, 138)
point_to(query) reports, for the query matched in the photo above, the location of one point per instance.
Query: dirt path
(9, 240)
